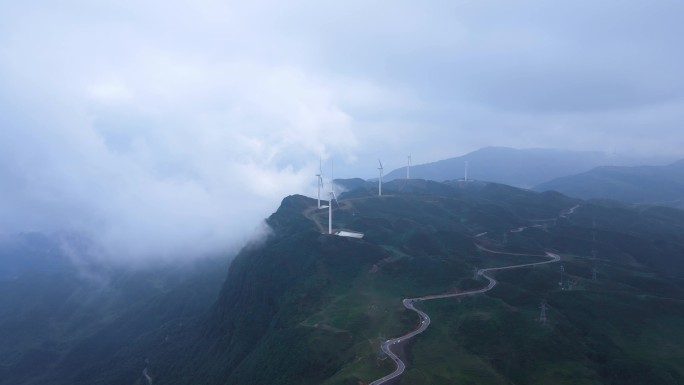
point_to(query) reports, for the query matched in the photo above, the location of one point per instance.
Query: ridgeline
(310, 308)
(302, 307)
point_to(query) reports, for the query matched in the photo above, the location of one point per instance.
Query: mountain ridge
(422, 236)
(302, 307)
(643, 184)
(517, 167)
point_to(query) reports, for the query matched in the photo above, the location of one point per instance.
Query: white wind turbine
(380, 179)
(408, 168)
(465, 178)
(332, 197)
(320, 181)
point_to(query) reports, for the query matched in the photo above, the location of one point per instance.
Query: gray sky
(167, 128)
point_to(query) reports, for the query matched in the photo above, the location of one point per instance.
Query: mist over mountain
(518, 167)
(306, 308)
(65, 320)
(158, 161)
(302, 307)
(663, 185)
(30, 253)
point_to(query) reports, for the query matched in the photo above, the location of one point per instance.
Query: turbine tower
(408, 168)
(380, 179)
(320, 181)
(332, 197)
(465, 178)
(332, 194)
(330, 204)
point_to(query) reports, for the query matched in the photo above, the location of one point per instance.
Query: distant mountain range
(519, 167)
(662, 185)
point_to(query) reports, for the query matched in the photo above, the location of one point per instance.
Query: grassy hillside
(306, 308)
(301, 307)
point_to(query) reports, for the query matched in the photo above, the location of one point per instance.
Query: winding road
(147, 376)
(425, 319)
(408, 303)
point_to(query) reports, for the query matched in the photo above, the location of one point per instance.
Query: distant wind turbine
(380, 179)
(408, 168)
(320, 181)
(466, 171)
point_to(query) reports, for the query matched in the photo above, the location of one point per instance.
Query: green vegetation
(307, 308)
(63, 328)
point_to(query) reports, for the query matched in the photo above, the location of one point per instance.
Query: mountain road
(425, 319)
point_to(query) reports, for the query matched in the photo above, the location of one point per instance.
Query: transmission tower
(562, 273)
(542, 315)
(594, 272)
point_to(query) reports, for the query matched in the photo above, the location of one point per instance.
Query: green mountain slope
(66, 328)
(307, 308)
(301, 307)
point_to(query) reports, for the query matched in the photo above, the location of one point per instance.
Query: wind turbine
(466, 171)
(380, 179)
(332, 197)
(320, 181)
(408, 168)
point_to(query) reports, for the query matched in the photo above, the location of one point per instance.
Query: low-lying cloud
(155, 155)
(168, 129)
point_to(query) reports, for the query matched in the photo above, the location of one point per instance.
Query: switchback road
(425, 319)
(386, 346)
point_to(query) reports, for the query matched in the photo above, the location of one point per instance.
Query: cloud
(160, 155)
(164, 129)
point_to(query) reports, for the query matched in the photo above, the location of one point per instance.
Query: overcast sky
(166, 128)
